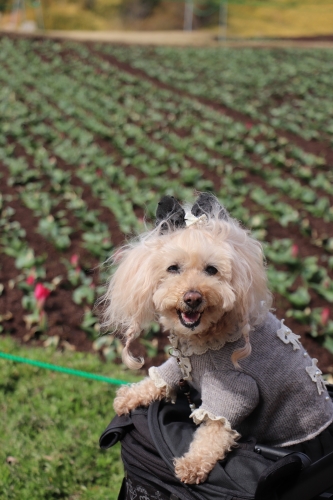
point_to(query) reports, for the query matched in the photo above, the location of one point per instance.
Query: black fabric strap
(313, 481)
(115, 431)
(281, 473)
(123, 491)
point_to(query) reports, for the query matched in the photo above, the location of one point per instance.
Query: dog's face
(207, 278)
(194, 289)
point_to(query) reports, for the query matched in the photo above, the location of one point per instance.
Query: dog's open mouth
(190, 319)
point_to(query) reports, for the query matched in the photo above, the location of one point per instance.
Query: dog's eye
(211, 270)
(173, 269)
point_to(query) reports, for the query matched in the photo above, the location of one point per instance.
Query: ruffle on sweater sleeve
(200, 415)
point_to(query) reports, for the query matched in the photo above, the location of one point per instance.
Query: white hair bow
(192, 219)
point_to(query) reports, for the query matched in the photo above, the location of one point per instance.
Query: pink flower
(30, 279)
(294, 250)
(41, 293)
(325, 314)
(74, 259)
(248, 125)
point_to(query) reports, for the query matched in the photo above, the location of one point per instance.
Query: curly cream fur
(131, 396)
(212, 440)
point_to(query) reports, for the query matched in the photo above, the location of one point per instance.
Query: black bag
(151, 438)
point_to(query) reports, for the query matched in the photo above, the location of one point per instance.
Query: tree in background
(243, 18)
(4, 5)
(138, 9)
(89, 4)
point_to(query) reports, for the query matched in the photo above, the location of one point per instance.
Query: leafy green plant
(90, 323)
(110, 346)
(300, 298)
(85, 293)
(56, 231)
(149, 340)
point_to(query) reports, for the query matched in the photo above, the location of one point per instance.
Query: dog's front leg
(212, 440)
(141, 394)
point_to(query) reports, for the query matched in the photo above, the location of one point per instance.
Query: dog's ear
(249, 279)
(170, 213)
(208, 204)
(128, 302)
(249, 282)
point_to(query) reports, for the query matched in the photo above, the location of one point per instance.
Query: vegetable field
(92, 135)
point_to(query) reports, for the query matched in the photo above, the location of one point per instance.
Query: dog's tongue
(190, 317)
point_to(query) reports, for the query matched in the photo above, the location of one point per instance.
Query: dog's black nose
(193, 299)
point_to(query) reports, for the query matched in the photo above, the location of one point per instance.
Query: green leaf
(328, 344)
(84, 293)
(26, 260)
(300, 298)
(303, 316)
(151, 347)
(325, 291)
(280, 281)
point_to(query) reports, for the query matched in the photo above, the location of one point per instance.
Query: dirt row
(321, 228)
(317, 148)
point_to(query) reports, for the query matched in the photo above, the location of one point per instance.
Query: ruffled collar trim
(197, 344)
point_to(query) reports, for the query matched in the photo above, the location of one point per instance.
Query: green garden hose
(62, 369)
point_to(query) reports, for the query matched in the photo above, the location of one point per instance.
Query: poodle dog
(203, 277)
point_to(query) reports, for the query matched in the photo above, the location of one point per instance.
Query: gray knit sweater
(279, 396)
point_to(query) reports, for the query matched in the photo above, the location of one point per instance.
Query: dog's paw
(125, 400)
(130, 397)
(190, 471)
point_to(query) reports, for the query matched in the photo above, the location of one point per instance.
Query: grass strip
(51, 423)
